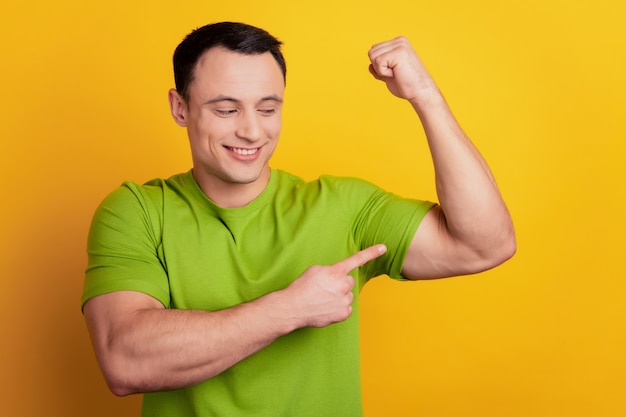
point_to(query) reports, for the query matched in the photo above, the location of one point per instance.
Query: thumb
(383, 66)
(360, 258)
(374, 73)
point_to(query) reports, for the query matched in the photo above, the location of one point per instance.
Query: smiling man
(233, 289)
(232, 113)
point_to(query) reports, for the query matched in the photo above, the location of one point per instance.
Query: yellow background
(539, 85)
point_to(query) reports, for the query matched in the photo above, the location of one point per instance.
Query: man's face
(233, 119)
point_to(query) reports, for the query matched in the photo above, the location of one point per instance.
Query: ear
(178, 107)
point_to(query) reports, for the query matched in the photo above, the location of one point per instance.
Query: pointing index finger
(360, 258)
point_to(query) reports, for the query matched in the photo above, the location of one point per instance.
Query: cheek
(273, 127)
(212, 129)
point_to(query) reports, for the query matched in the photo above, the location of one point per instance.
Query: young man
(233, 289)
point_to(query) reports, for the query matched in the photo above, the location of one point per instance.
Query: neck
(232, 195)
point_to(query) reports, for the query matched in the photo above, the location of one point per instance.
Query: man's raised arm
(471, 230)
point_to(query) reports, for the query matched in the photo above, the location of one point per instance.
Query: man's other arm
(143, 347)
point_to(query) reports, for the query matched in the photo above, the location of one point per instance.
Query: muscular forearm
(154, 349)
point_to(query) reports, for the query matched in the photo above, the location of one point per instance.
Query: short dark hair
(236, 37)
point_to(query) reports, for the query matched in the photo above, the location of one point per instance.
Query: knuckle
(351, 281)
(379, 60)
(347, 284)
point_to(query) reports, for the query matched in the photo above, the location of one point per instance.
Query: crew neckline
(254, 205)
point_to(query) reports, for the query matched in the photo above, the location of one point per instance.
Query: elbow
(119, 385)
(120, 378)
(500, 250)
(118, 388)
(509, 244)
(510, 248)
(506, 251)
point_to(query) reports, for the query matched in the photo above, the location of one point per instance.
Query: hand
(322, 295)
(396, 63)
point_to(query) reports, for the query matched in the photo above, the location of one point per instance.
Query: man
(233, 289)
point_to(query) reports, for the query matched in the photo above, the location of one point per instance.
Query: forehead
(220, 71)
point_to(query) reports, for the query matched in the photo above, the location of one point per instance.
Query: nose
(249, 127)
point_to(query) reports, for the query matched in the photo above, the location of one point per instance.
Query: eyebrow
(222, 98)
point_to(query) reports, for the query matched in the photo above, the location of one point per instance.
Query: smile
(242, 151)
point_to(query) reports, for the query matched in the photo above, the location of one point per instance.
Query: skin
(235, 103)
(233, 121)
(471, 230)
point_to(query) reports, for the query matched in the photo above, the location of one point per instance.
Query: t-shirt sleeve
(383, 217)
(124, 245)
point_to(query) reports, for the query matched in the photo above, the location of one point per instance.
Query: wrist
(280, 312)
(431, 106)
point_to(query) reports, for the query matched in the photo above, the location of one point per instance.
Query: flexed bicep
(435, 253)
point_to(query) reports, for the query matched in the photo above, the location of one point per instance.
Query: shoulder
(327, 184)
(344, 184)
(350, 191)
(134, 206)
(131, 194)
(329, 188)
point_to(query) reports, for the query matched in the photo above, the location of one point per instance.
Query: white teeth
(240, 151)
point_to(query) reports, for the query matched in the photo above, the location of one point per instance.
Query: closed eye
(267, 112)
(225, 112)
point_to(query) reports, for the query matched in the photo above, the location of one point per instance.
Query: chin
(245, 179)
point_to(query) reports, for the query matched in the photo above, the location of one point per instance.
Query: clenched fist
(396, 63)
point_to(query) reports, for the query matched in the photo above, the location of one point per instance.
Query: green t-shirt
(168, 240)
